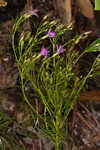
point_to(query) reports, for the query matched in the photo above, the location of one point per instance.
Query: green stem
(76, 96)
(57, 133)
(27, 101)
(54, 54)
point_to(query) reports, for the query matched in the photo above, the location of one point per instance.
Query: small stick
(93, 95)
(90, 114)
(86, 123)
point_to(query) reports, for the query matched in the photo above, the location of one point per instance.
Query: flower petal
(44, 51)
(60, 49)
(51, 34)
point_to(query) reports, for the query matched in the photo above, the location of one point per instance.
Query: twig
(90, 114)
(86, 123)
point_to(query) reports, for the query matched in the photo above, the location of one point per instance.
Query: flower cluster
(59, 48)
(44, 51)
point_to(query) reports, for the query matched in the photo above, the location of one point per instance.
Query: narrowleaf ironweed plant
(49, 66)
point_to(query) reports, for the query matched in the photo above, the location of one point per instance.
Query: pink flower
(60, 49)
(33, 11)
(44, 51)
(90, 31)
(51, 34)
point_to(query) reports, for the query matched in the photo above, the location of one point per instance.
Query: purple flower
(33, 11)
(51, 34)
(44, 51)
(90, 31)
(60, 49)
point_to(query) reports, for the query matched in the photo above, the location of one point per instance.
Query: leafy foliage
(53, 75)
(97, 5)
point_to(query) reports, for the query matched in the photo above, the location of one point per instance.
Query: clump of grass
(50, 67)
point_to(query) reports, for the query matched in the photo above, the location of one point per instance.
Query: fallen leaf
(86, 8)
(3, 3)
